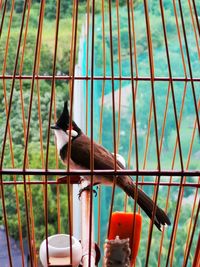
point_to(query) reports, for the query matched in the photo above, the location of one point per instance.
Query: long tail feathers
(145, 202)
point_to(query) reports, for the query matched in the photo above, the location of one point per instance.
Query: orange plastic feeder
(122, 226)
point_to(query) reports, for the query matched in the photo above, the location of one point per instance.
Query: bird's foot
(87, 188)
(80, 180)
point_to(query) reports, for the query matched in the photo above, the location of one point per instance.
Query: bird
(103, 160)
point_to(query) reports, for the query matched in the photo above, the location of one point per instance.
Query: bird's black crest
(63, 120)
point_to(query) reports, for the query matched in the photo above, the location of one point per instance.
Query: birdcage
(131, 72)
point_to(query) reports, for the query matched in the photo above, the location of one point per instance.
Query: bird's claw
(87, 188)
(80, 180)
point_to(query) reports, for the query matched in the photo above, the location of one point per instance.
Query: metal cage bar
(103, 24)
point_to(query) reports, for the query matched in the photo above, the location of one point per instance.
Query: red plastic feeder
(122, 226)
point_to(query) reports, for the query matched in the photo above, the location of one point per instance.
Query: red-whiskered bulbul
(103, 160)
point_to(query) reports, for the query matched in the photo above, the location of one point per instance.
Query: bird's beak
(55, 127)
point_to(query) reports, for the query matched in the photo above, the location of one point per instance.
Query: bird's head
(62, 128)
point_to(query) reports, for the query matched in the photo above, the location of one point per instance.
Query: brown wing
(103, 159)
(80, 154)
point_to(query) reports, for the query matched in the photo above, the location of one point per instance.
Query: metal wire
(111, 30)
(106, 78)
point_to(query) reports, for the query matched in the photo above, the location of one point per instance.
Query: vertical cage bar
(189, 64)
(25, 128)
(180, 119)
(3, 16)
(196, 193)
(39, 96)
(87, 259)
(72, 68)
(101, 115)
(87, 64)
(91, 133)
(10, 135)
(31, 238)
(134, 124)
(194, 28)
(151, 63)
(197, 254)
(120, 74)
(6, 128)
(192, 236)
(173, 235)
(113, 111)
(49, 123)
(181, 187)
(196, 15)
